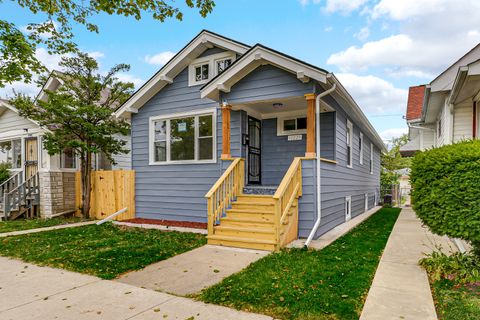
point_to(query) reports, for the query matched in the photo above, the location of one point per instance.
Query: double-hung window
(371, 158)
(360, 147)
(68, 159)
(11, 152)
(182, 139)
(349, 136)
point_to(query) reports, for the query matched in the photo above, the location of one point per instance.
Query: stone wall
(57, 192)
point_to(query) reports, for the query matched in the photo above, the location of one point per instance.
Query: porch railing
(13, 182)
(224, 191)
(286, 204)
(23, 195)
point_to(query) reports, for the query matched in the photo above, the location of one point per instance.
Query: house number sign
(296, 137)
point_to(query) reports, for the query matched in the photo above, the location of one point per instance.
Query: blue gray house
(235, 135)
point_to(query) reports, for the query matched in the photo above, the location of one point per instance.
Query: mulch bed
(169, 223)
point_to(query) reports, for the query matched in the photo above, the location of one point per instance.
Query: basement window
(348, 208)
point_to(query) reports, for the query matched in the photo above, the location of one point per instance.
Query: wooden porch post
(226, 132)
(310, 151)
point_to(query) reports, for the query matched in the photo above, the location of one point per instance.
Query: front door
(31, 157)
(254, 151)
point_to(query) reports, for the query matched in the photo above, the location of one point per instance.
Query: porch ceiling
(265, 108)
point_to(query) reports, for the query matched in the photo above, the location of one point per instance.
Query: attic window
(205, 68)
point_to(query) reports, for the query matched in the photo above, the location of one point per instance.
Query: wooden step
(255, 198)
(246, 232)
(251, 214)
(245, 222)
(238, 242)
(250, 204)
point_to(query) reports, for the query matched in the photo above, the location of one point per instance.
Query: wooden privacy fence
(111, 192)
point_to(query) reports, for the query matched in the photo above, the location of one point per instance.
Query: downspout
(317, 142)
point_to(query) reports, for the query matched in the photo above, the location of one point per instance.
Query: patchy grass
(105, 251)
(18, 225)
(456, 301)
(307, 284)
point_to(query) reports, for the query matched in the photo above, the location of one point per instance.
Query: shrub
(446, 184)
(458, 267)
(4, 173)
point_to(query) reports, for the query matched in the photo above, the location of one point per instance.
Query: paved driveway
(32, 292)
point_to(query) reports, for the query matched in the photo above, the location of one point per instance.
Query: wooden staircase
(19, 198)
(264, 222)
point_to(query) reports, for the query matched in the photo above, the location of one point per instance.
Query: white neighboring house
(49, 180)
(447, 109)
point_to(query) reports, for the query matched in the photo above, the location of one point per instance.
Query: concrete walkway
(32, 292)
(62, 226)
(400, 289)
(192, 271)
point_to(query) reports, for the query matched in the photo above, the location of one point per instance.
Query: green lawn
(105, 251)
(307, 284)
(455, 301)
(17, 225)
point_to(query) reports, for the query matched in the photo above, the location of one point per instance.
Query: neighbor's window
(288, 126)
(222, 64)
(360, 147)
(11, 152)
(439, 127)
(68, 159)
(183, 139)
(371, 158)
(349, 135)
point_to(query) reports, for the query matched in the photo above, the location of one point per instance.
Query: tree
(17, 49)
(79, 114)
(392, 161)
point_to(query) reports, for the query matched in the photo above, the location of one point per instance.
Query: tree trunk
(86, 173)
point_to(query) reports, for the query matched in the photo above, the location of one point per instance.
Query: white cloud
(30, 89)
(96, 54)
(374, 95)
(343, 6)
(431, 35)
(126, 77)
(363, 34)
(389, 134)
(160, 58)
(307, 2)
(328, 29)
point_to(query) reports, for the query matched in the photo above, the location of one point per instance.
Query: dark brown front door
(31, 157)
(254, 151)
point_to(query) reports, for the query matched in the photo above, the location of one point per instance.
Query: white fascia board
(256, 57)
(168, 72)
(358, 112)
(458, 84)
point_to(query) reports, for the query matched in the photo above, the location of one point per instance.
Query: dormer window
(205, 68)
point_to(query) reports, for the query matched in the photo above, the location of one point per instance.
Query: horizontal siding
(463, 122)
(10, 120)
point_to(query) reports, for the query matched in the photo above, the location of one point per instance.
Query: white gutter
(317, 141)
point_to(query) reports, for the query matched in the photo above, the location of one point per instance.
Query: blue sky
(377, 48)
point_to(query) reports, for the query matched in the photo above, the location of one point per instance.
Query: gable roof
(203, 41)
(416, 97)
(5, 105)
(253, 58)
(444, 81)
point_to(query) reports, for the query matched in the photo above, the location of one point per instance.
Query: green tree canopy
(79, 113)
(18, 61)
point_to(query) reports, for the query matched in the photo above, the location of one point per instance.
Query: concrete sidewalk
(32, 292)
(192, 271)
(400, 289)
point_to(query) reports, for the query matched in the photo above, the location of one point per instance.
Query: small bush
(446, 182)
(4, 173)
(457, 267)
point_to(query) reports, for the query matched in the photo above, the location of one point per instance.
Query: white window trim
(281, 119)
(371, 158)
(151, 140)
(22, 160)
(361, 147)
(366, 202)
(77, 163)
(350, 143)
(348, 208)
(212, 70)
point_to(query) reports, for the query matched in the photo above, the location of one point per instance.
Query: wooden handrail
(287, 194)
(224, 191)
